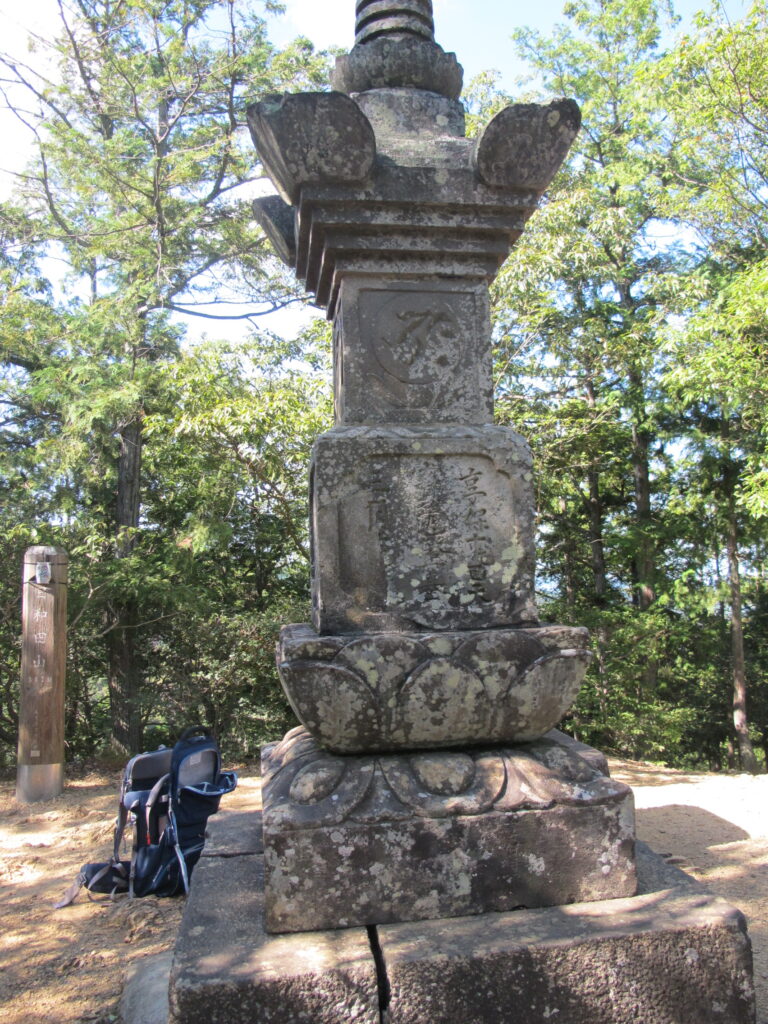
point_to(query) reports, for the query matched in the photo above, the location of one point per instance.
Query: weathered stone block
(406, 63)
(524, 146)
(406, 691)
(227, 970)
(419, 528)
(311, 137)
(396, 114)
(669, 957)
(368, 840)
(396, 349)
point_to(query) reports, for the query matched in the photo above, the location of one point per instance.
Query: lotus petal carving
(478, 795)
(315, 789)
(441, 702)
(536, 701)
(319, 789)
(335, 704)
(383, 660)
(395, 691)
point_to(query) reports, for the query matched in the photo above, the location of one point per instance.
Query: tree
(719, 109)
(588, 306)
(140, 187)
(583, 299)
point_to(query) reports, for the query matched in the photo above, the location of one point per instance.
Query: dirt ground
(715, 827)
(68, 965)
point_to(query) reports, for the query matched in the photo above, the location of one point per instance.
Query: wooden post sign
(40, 761)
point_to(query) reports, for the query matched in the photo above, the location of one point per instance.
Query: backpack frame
(167, 795)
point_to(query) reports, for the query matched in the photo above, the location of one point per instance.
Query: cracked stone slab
(669, 956)
(360, 840)
(227, 970)
(237, 833)
(672, 955)
(144, 999)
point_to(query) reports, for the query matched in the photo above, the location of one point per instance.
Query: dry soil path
(67, 966)
(716, 828)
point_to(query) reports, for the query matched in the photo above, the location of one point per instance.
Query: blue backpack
(167, 795)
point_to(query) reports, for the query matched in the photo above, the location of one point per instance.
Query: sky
(478, 31)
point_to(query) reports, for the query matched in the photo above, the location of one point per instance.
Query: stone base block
(227, 970)
(410, 691)
(665, 957)
(421, 528)
(672, 955)
(371, 840)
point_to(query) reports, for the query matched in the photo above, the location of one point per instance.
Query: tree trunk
(738, 665)
(569, 572)
(644, 555)
(596, 546)
(595, 518)
(124, 679)
(603, 685)
(645, 567)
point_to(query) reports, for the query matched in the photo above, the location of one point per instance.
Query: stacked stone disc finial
(395, 48)
(376, 18)
(425, 635)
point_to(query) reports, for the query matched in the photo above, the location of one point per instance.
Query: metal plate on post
(42, 572)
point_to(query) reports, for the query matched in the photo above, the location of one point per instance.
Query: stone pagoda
(433, 851)
(406, 793)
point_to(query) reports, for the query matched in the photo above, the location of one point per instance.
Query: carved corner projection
(312, 138)
(276, 218)
(389, 691)
(305, 786)
(524, 146)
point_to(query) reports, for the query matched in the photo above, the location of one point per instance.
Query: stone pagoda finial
(395, 48)
(376, 18)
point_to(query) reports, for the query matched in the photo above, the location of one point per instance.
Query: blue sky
(478, 31)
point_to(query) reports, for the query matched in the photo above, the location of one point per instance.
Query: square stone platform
(374, 839)
(670, 955)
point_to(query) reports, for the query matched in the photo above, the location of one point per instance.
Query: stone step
(671, 955)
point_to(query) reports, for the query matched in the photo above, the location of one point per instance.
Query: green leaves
(177, 482)
(630, 329)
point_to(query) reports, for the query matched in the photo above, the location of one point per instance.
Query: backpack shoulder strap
(159, 789)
